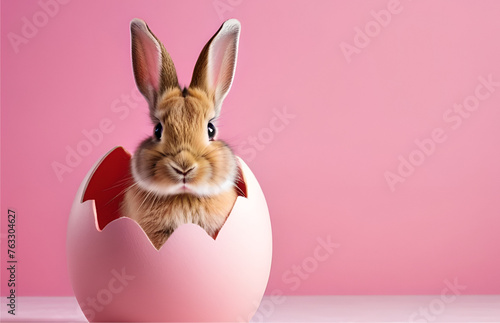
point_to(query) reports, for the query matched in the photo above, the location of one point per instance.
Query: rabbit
(181, 173)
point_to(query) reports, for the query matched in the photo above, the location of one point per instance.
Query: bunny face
(182, 155)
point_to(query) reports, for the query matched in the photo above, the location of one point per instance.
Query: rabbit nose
(182, 171)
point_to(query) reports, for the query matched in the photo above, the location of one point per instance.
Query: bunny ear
(154, 69)
(214, 70)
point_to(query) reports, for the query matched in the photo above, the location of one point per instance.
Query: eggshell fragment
(118, 275)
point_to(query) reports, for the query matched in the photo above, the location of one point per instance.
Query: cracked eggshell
(118, 275)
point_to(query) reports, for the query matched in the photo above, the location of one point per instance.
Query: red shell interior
(110, 179)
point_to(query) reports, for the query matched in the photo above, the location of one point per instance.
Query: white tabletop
(433, 308)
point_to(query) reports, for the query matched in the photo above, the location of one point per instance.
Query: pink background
(323, 168)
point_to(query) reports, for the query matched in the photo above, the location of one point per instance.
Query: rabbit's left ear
(214, 70)
(154, 69)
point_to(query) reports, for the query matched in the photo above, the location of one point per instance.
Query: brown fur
(183, 177)
(159, 216)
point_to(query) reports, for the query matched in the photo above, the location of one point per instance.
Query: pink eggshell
(117, 274)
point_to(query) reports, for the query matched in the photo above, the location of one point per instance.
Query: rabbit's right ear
(214, 69)
(154, 69)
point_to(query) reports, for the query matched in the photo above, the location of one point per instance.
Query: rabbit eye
(158, 131)
(211, 131)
